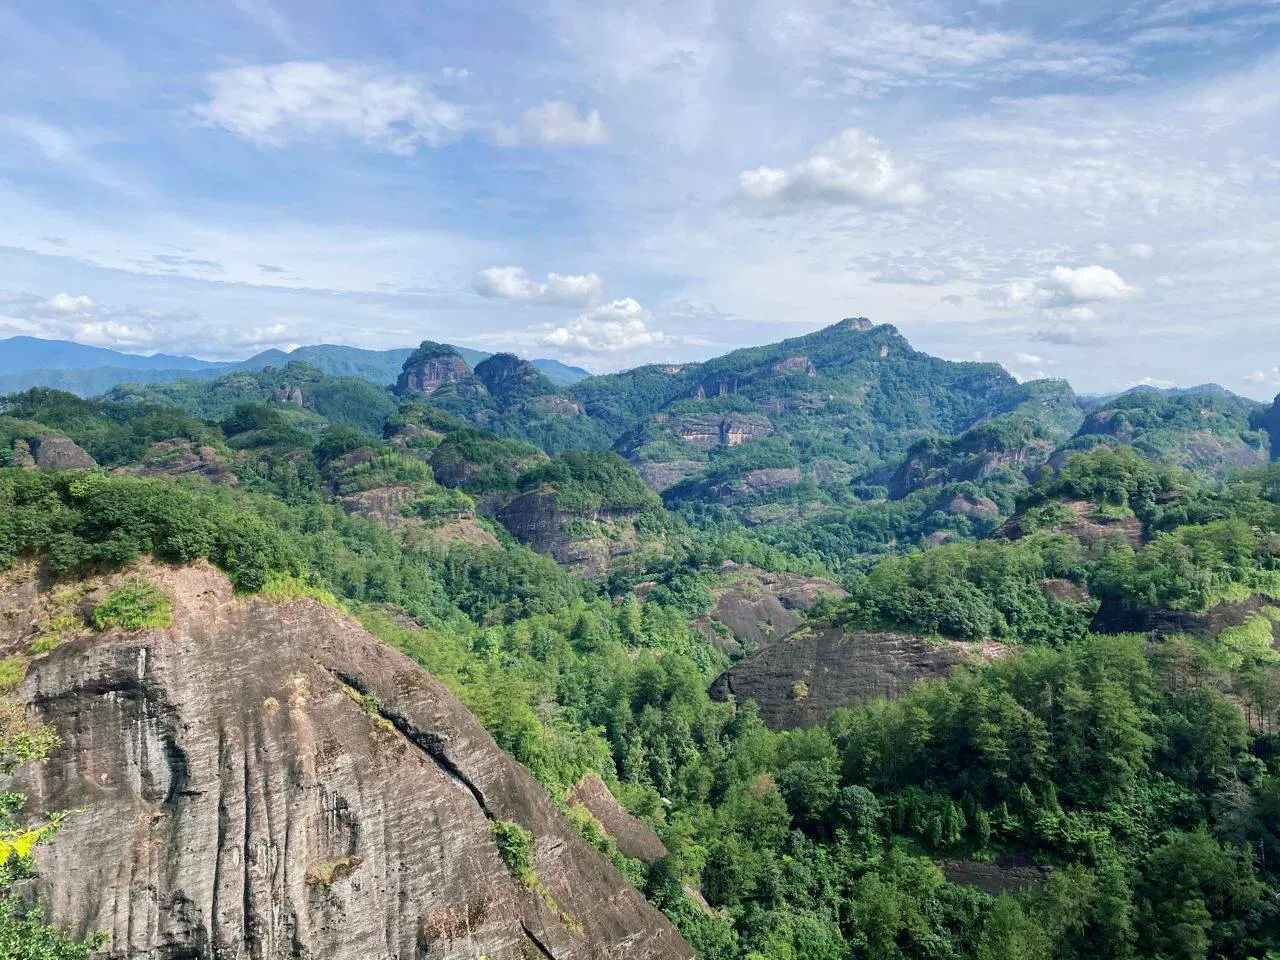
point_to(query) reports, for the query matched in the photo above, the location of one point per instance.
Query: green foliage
(585, 482)
(515, 846)
(135, 605)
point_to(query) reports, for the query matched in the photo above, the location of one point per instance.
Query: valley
(821, 649)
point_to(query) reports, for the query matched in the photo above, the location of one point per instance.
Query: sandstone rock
(798, 682)
(432, 366)
(1088, 526)
(535, 520)
(22, 458)
(180, 457)
(1011, 874)
(267, 780)
(632, 835)
(754, 607)
(56, 452)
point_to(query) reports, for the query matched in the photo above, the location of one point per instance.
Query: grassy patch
(136, 605)
(12, 671)
(282, 589)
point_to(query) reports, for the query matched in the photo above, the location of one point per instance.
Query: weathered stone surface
(798, 681)
(1087, 526)
(180, 457)
(428, 376)
(56, 452)
(1113, 617)
(754, 607)
(22, 458)
(240, 800)
(534, 519)
(632, 835)
(1011, 874)
(974, 506)
(658, 476)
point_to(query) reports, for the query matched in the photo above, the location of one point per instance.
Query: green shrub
(137, 605)
(515, 845)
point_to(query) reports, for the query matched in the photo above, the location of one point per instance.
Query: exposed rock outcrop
(1086, 524)
(535, 520)
(22, 457)
(180, 457)
(267, 780)
(432, 366)
(56, 452)
(632, 835)
(754, 608)
(1011, 874)
(1113, 617)
(800, 680)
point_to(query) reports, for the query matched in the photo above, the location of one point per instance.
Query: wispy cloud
(282, 104)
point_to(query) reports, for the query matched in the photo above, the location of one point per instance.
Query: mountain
(18, 354)
(87, 371)
(1203, 430)
(906, 659)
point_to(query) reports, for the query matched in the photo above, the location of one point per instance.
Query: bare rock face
(1010, 874)
(799, 681)
(754, 608)
(432, 366)
(22, 458)
(267, 780)
(536, 521)
(632, 835)
(179, 457)
(56, 452)
(1113, 617)
(1088, 526)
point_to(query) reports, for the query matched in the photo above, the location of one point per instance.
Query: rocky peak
(430, 367)
(267, 780)
(510, 378)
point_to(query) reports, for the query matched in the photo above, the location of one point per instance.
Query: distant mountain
(19, 354)
(87, 371)
(1204, 429)
(561, 374)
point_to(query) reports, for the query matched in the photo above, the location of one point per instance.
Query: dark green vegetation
(1114, 776)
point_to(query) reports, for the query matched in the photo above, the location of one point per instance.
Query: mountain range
(88, 370)
(818, 649)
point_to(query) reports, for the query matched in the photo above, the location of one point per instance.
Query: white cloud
(852, 167)
(609, 328)
(135, 329)
(559, 124)
(516, 283)
(1033, 360)
(1089, 285)
(281, 104)
(66, 303)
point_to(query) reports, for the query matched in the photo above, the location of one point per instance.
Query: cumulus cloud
(559, 124)
(134, 329)
(281, 104)
(606, 329)
(852, 168)
(516, 283)
(1089, 285)
(1070, 335)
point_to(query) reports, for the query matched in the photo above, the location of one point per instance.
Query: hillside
(822, 649)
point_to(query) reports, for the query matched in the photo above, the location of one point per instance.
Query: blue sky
(1079, 189)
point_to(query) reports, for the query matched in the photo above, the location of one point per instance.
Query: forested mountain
(27, 362)
(825, 649)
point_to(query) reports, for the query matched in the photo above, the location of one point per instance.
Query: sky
(1086, 190)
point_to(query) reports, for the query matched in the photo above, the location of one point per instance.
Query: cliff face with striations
(267, 780)
(799, 681)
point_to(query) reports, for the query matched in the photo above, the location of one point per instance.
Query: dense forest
(1104, 782)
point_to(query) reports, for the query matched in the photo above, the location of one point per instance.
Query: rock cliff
(267, 780)
(432, 366)
(800, 680)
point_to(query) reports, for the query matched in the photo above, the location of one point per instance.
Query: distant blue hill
(27, 362)
(18, 354)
